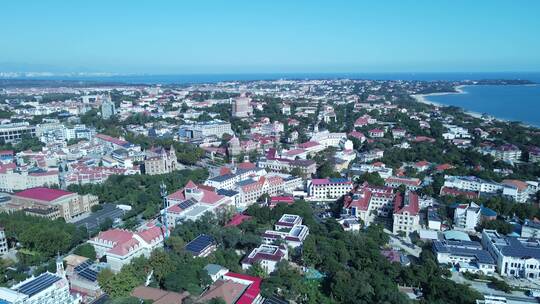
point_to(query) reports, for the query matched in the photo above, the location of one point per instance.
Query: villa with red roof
(406, 213)
(191, 202)
(53, 203)
(231, 287)
(121, 246)
(376, 133)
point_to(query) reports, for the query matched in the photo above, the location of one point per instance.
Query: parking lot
(92, 221)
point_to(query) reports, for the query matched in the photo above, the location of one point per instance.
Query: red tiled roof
(412, 207)
(252, 292)
(237, 220)
(308, 144)
(43, 194)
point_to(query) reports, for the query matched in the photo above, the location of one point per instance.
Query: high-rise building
(108, 109)
(242, 107)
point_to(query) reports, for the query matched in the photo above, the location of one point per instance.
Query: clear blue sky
(230, 36)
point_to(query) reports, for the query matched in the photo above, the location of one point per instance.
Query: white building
(519, 191)
(471, 183)
(515, 257)
(329, 188)
(467, 216)
(47, 288)
(268, 256)
(215, 128)
(15, 179)
(13, 132)
(289, 228)
(121, 246)
(467, 256)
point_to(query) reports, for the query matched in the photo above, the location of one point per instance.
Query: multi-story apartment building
(368, 201)
(108, 108)
(406, 213)
(13, 132)
(329, 188)
(515, 257)
(252, 189)
(241, 107)
(471, 183)
(507, 152)
(214, 128)
(52, 203)
(519, 191)
(13, 178)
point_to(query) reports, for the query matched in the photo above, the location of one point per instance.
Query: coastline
(423, 98)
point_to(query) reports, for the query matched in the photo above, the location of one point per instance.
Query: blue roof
(226, 192)
(200, 243)
(488, 212)
(338, 180)
(38, 284)
(521, 249)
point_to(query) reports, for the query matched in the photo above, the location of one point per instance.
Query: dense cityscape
(276, 191)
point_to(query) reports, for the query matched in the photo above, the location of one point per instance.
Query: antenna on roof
(163, 192)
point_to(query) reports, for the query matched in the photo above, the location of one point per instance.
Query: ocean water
(512, 102)
(210, 78)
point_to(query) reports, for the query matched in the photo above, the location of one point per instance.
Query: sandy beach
(423, 98)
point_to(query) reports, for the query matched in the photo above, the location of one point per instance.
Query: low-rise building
(411, 183)
(53, 203)
(329, 188)
(289, 229)
(515, 257)
(47, 288)
(267, 256)
(466, 256)
(121, 246)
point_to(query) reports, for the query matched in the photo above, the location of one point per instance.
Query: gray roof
(213, 269)
(521, 248)
(464, 248)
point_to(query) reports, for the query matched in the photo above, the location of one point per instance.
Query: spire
(60, 266)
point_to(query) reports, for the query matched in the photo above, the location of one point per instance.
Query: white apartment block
(329, 188)
(471, 183)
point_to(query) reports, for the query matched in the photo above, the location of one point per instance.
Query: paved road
(483, 288)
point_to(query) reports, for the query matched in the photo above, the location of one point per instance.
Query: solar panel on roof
(89, 274)
(200, 243)
(38, 284)
(186, 204)
(83, 265)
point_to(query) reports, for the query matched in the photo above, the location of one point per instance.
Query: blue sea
(511, 102)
